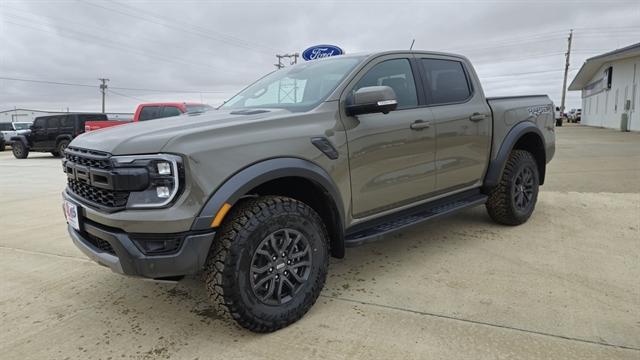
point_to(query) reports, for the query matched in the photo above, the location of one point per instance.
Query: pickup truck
(305, 162)
(12, 129)
(150, 111)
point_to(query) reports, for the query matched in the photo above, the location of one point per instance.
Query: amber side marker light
(220, 215)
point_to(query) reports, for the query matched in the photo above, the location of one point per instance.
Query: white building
(27, 115)
(609, 85)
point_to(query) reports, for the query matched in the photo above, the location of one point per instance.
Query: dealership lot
(564, 285)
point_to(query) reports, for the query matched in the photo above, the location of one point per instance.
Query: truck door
(391, 162)
(39, 132)
(462, 121)
(53, 130)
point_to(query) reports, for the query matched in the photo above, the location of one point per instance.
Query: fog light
(163, 192)
(164, 168)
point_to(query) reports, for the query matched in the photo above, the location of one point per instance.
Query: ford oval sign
(321, 51)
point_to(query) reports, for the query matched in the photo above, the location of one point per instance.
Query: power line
(137, 17)
(202, 29)
(128, 96)
(114, 87)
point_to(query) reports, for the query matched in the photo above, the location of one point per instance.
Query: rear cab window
(445, 81)
(149, 112)
(169, 111)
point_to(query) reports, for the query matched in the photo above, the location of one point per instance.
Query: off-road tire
(501, 204)
(19, 150)
(228, 269)
(62, 144)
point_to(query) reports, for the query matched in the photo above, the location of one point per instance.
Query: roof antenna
(412, 42)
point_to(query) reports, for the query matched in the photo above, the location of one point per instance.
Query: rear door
(462, 121)
(391, 164)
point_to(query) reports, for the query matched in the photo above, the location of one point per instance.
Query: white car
(12, 129)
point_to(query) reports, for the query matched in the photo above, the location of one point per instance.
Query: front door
(391, 164)
(462, 120)
(39, 132)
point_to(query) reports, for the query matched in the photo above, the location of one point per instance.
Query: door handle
(477, 117)
(419, 125)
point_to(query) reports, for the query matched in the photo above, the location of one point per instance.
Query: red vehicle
(150, 111)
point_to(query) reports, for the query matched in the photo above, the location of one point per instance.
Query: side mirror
(372, 99)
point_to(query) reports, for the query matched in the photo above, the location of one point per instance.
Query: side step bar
(377, 228)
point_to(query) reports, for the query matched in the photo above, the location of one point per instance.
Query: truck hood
(147, 137)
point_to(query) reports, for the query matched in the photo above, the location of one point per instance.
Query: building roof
(593, 64)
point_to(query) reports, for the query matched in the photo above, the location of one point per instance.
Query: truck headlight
(165, 173)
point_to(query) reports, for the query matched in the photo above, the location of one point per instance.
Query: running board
(411, 217)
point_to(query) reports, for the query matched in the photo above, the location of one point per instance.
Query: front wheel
(268, 263)
(512, 201)
(62, 145)
(20, 151)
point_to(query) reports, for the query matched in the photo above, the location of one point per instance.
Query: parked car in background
(51, 133)
(576, 116)
(261, 192)
(12, 129)
(150, 111)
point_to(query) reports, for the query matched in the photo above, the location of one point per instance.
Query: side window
(168, 111)
(39, 123)
(446, 81)
(53, 122)
(396, 74)
(149, 112)
(5, 127)
(66, 121)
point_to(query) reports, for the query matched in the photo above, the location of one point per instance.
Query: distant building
(27, 115)
(609, 85)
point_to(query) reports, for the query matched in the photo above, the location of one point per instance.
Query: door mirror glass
(372, 99)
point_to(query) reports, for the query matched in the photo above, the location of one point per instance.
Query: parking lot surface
(565, 285)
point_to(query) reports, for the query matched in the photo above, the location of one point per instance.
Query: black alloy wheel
(280, 266)
(522, 190)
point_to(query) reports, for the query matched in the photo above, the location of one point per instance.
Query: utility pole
(293, 56)
(566, 72)
(103, 89)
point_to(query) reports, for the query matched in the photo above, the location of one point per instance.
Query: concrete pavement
(562, 286)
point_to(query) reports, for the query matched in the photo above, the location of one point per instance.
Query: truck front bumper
(118, 251)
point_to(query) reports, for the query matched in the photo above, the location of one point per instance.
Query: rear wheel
(269, 263)
(513, 200)
(20, 151)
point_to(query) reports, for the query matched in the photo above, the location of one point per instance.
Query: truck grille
(108, 198)
(94, 159)
(83, 188)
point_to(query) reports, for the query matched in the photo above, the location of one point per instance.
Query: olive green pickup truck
(308, 160)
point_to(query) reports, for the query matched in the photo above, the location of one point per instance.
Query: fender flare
(496, 166)
(63, 137)
(22, 139)
(237, 186)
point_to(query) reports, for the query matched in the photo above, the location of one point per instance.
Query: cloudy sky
(207, 50)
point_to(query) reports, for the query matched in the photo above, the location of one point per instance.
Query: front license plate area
(72, 213)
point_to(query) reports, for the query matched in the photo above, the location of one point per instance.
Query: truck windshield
(297, 88)
(21, 126)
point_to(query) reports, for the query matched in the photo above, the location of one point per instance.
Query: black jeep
(51, 134)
